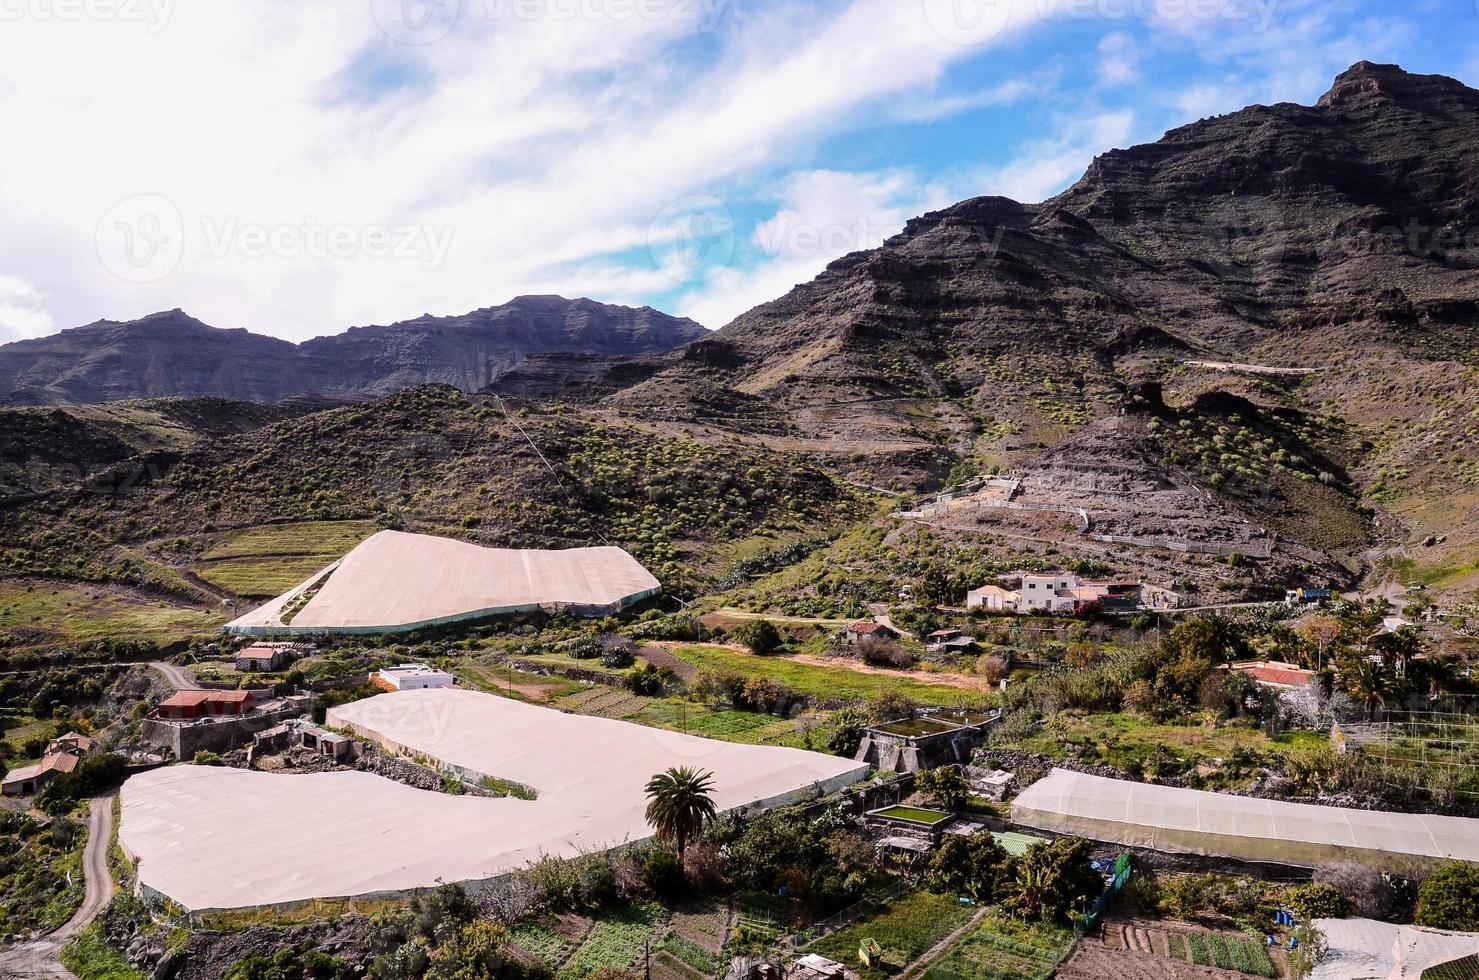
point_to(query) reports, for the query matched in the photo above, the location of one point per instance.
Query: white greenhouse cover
(1189, 821)
(394, 580)
(215, 838)
(1366, 948)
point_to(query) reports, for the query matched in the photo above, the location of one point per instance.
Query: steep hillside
(172, 354)
(47, 448)
(1339, 238)
(428, 459)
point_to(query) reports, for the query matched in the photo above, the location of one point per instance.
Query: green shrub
(662, 873)
(1449, 899)
(1319, 901)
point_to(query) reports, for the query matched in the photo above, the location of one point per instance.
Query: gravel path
(41, 957)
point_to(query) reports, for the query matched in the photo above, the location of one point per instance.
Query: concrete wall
(219, 735)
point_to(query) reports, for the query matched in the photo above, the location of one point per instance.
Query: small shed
(861, 631)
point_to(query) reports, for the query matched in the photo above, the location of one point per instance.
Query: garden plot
(999, 948)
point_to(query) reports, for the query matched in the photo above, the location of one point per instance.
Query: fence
(1121, 875)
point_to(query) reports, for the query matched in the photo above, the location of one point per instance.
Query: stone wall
(185, 739)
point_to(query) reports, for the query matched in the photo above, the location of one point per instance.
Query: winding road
(178, 678)
(42, 957)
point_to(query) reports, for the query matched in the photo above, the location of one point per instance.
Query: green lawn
(61, 613)
(904, 929)
(829, 683)
(90, 958)
(1003, 948)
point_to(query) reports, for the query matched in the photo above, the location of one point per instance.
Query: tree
(1370, 683)
(1449, 899)
(945, 787)
(976, 866)
(847, 730)
(679, 804)
(760, 636)
(1054, 880)
(1214, 639)
(1398, 647)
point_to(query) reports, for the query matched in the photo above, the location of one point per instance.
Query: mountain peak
(1367, 80)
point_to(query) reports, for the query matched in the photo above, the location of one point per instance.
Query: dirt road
(42, 957)
(178, 678)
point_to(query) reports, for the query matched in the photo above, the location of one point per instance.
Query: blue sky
(297, 168)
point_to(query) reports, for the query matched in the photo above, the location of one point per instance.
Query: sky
(295, 168)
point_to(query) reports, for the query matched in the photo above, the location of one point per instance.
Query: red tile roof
(1280, 675)
(867, 628)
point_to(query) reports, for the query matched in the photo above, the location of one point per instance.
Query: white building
(1050, 591)
(412, 677)
(993, 598)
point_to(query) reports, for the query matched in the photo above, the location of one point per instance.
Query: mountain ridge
(172, 354)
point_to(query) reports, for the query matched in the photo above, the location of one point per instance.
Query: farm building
(858, 632)
(1280, 676)
(411, 677)
(1188, 821)
(395, 581)
(188, 826)
(33, 779)
(186, 705)
(266, 656)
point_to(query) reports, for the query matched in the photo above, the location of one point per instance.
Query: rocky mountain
(173, 354)
(1341, 239)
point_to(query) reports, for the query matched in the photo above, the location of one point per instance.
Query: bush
(991, 667)
(945, 787)
(1449, 899)
(205, 757)
(95, 774)
(586, 648)
(847, 731)
(759, 635)
(1319, 901)
(885, 653)
(663, 874)
(617, 651)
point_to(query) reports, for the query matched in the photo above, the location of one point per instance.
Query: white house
(1049, 591)
(993, 598)
(412, 677)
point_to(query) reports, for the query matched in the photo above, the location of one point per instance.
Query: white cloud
(1119, 59)
(22, 314)
(824, 215)
(1046, 167)
(544, 145)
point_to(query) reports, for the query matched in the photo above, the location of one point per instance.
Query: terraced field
(999, 948)
(267, 561)
(617, 940)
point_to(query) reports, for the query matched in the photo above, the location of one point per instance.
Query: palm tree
(679, 804)
(1371, 683)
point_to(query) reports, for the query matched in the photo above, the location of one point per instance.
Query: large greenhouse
(1187, 821)
(394, 581)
